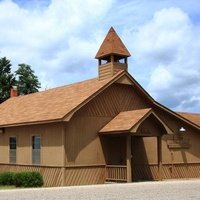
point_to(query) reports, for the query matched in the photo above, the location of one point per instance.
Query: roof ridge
(191, 113)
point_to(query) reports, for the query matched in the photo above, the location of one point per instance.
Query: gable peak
(111, 29)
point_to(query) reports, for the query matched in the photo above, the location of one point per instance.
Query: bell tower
(112, 55)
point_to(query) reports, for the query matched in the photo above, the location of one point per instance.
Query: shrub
(7, 178)
(28, 179)
(22, 179)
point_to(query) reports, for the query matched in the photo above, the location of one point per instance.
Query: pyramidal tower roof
(112, 44)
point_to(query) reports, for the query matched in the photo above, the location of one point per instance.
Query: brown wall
(144, 150)
(180, 160)
(146, 153)
(83, 144)
(146, 147)
(192, 136)
(50, 144)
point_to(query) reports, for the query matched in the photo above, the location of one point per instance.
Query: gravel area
(172, 190)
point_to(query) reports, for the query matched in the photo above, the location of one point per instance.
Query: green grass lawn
(7, 187)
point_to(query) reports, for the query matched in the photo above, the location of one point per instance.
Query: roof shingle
(52, 104)
(124, 121)
(193, 117)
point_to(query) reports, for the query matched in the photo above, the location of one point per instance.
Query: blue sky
(59, 39)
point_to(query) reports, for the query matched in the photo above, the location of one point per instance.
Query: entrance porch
(132, 144)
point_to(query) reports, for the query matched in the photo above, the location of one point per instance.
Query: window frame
(36, 152)
(12, 150)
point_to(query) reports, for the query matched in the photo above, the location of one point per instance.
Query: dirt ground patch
(165, 190)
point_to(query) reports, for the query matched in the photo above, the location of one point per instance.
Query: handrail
(116, 173)
(112, 166)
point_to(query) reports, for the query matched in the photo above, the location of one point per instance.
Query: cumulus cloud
(53, 40)
(169, 46)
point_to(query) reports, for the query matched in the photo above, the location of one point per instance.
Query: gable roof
(193, 117)
(112, 44)
(50, 105)
(61, 103)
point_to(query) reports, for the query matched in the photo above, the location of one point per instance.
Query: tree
(7, 79)
(27, 81)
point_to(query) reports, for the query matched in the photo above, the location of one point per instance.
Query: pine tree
(27, 81)
(7, 79)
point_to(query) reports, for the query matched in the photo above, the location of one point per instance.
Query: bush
(22, 179)
(7, 178)
(28, 179)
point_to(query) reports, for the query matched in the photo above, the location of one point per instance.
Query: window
(12, 149)
(36, 150)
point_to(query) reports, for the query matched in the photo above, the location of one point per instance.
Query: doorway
(144, 158)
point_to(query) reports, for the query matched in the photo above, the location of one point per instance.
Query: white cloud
(53, 40)
(169, 46)
(160, 79)
(59, 39)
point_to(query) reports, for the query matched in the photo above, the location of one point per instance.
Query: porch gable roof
(129, 121)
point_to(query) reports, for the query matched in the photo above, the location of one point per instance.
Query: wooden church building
(104, 129)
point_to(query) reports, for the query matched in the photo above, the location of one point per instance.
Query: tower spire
(112, 44)
(112, 55)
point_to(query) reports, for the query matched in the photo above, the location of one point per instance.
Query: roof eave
(119, 132)
(107, 54)
(31, 123)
